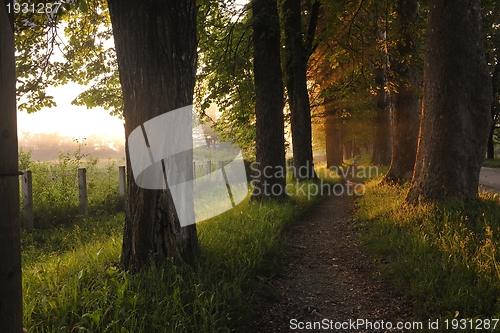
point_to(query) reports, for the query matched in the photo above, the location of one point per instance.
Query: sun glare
(69, 120)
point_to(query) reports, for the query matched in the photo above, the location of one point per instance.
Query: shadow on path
(328, 279)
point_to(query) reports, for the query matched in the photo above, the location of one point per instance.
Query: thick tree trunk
(333, 132)
(406, 104)
(270, 140)
(457, 100)
(297, 56)
(11, 305)
(156, 51)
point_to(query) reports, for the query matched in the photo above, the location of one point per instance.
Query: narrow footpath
(489, 179)
(327, 278)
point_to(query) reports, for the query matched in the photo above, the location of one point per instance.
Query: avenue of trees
(415, 83)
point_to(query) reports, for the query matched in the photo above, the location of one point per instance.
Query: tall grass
(72, 281)
(55, 186)
(442, 255)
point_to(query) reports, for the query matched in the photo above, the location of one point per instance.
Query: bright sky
(70, 120)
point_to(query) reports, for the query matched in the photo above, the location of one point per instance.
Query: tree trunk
(270, 141)
(11, 305)
(297, 56)
(382, 145)
(333, 132)
(457, 100)
(156, 51)
(406, 105)
(490, 152)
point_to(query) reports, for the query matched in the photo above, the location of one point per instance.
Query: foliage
(353, 38)
(341, 68)
(85, 54)
(74, 44)
(226, 70)
(90, 51)
(442, 255)
(491, 32)
(72, 281)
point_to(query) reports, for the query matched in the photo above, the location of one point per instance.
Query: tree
(84, 52)
(457, 100)
(491, 31)
(406, 105)
(382, 142)
(156, 52)
(225, 77)
(349, 66)
(11, 312)
(299, 46)
(333, 132)
(270, 144)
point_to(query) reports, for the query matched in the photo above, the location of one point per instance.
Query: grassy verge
(492, 163)
(443, 256)
(72, 282)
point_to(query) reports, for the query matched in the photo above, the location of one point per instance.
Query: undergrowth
(444, 256)
(55, 187)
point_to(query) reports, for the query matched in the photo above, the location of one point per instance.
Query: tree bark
(270, 140)
(156, 50)
(298, 51)
(11, 305)
(406, 104)
(457, 100)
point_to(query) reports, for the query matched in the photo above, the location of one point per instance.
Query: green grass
(492, 163)
(55, 187)
(72, 281)
(444, 256)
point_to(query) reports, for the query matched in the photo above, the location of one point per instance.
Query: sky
(70, 120)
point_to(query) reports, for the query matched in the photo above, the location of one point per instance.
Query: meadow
(55, 186)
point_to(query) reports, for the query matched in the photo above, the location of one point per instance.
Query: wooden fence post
(82, 191)
(27, 190)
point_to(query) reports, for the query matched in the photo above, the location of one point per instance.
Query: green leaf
(83, 5)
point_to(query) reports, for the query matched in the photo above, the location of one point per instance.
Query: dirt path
(328, 279)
